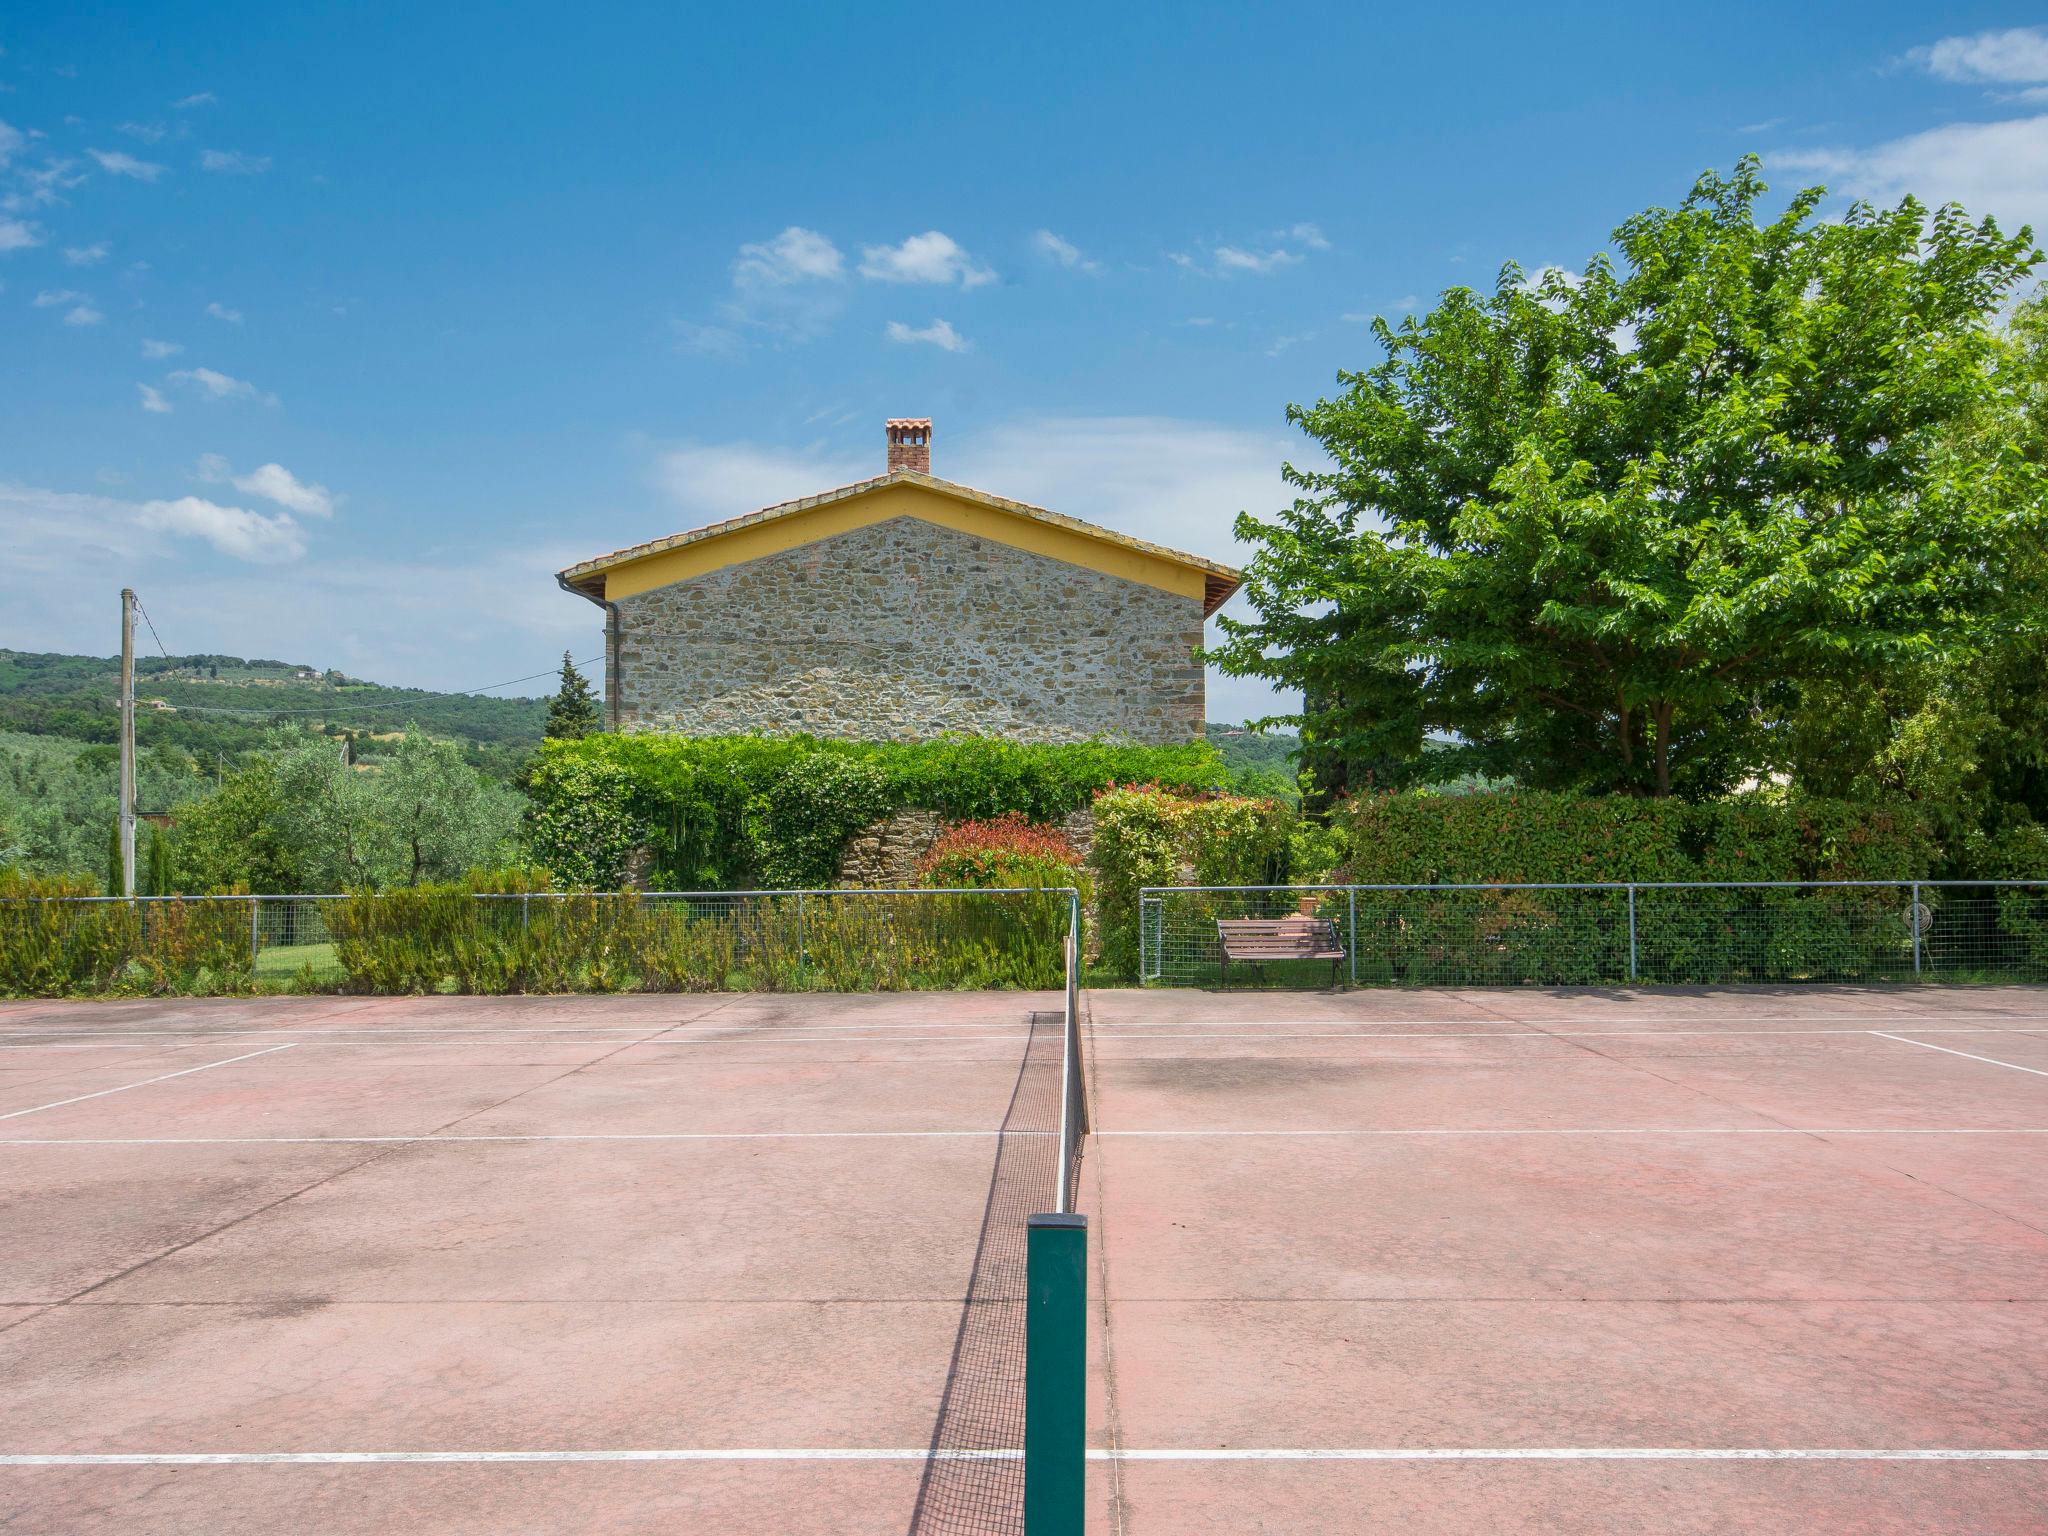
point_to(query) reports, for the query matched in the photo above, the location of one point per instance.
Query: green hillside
(1269, 755)
(213, 707)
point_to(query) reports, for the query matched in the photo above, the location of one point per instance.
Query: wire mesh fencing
(454, 940)
(1701, 934)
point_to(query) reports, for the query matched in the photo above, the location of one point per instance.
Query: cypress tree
(572, 712)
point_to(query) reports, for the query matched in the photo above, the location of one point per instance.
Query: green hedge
(1701, 936)
(58, 948)
(734, 812)
(1523, 837)
(446, 939)
(1146, 836)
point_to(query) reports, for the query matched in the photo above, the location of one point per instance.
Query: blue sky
(336, 330)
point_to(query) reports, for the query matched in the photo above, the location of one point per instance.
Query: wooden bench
(1257, 940)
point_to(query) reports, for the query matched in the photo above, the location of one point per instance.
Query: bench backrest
(1275, 937)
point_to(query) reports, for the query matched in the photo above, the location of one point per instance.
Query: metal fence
(1706, 933)
(542, 941)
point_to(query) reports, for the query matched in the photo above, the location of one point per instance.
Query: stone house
(900, 608)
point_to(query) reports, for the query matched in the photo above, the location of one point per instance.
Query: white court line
(1104, 1033)
(357, 1458)
(239, 1141)
(926, 1453)
(431, 1140)
(1992, 1060)
(166, 1077)
(96, 1045)
(1576, 1453)
(1653, 1130)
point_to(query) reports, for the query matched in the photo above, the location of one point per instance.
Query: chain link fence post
(1351, 922)
(1916, 927)
(1631, 932)
(255, 936)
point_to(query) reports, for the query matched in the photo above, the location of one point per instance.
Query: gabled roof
(588, 578)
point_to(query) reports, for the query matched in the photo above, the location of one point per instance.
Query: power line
(459, 693)
(152, 627)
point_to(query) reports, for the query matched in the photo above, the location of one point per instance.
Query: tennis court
(1423, 1260)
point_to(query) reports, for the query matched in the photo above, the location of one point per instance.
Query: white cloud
(215, 386)
(938, 334)
(797, 255)
(11, 140)
(160, 349)
(931, 257)
(50, 298)
(433, 617)
(1065, 252)
(40, 188)
(83, 314)
(196, 99)
(85, 255)
(149, 133)
(2010, 56)
(16, 235)
(220, 311)
(259, 538)
(273, 482)
(1230, 258)
(786, 288)
(233, 162)
(1290, 340)
(709, 482)
(1996, 168)
(153, 400)
(118, 162)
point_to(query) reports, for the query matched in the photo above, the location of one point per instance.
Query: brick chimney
(910, 443)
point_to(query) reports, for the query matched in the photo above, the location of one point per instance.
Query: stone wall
(906, 630)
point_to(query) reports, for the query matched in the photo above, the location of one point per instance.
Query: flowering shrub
(1145, 835)
(1005, 851)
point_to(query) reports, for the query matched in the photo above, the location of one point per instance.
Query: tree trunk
(1661, 713)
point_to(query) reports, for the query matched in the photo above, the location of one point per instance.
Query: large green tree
(1597, 531)
(1965, 733)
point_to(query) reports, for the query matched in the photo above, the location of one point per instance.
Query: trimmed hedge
(1522, 837)
(59, 948)
(446, 939)
(1579, 937)
(735, 812)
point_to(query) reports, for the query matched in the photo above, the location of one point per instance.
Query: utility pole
(128, 742)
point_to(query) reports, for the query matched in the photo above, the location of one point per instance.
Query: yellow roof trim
(904, 493)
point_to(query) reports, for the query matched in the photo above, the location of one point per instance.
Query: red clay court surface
(1410, 1261)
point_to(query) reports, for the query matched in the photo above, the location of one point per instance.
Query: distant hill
(1267, 752)
(226, 705)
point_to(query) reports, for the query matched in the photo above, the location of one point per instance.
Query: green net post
(1055, 1375)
